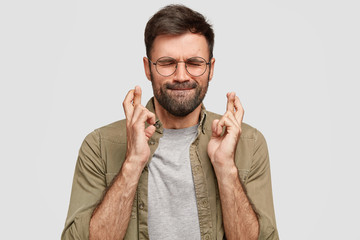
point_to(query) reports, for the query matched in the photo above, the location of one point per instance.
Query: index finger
(128, 104)
(137, 95)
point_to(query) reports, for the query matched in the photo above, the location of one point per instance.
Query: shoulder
(114, 132)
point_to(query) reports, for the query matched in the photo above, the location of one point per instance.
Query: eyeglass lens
(166, 66)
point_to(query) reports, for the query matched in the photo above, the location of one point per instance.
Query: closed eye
(166, 62)
(195, 62)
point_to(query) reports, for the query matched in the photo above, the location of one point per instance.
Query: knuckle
(143, 113)
(135, 126)
(227, 114)
(138, 107)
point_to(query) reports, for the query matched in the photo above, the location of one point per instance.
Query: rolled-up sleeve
(259, 190)
(88, 186)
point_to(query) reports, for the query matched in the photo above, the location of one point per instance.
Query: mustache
(183, 85)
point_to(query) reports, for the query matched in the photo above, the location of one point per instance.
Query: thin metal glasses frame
(177, 62)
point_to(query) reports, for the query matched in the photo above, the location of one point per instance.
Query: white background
(65, 67)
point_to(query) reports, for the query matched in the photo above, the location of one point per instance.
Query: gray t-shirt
(172, 210)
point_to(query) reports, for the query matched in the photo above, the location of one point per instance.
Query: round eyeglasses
(166, 66)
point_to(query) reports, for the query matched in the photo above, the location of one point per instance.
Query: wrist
(137, 160)
(132, 168)
(227, 175)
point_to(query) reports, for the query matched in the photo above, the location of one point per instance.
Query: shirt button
(141, 206)
(151, 142)
(157, 124)
(207, 236)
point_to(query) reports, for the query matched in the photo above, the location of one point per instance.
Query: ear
(147, 68)
(212, 65)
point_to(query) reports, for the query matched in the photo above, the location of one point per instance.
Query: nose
(181, 73)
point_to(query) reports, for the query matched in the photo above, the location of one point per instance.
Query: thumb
(149, 131)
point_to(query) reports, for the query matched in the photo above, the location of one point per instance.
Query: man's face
(179, 93)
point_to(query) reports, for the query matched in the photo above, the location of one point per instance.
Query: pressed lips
(181, 86)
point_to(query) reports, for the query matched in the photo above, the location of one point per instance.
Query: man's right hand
(111, 217)
(138, 136)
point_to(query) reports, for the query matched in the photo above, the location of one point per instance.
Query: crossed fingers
(133, 97)
(234, 106)
(233, 116)
(133, 109)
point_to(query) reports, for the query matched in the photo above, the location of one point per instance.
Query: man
(173, 170)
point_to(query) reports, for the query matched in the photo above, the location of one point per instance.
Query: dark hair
(176, 20)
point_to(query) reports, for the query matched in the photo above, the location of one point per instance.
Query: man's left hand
(222, 145)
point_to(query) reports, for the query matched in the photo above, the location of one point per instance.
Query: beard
(182, 103)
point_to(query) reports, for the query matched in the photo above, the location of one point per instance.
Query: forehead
(180, 46)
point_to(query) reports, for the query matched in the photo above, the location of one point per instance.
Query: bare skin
(115, 208)
(240, 221)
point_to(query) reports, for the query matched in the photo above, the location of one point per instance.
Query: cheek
(157, 82)
(204, 80)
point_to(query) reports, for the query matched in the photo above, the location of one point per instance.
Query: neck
(174, 122)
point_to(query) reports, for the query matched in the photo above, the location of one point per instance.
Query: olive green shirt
(103, 152)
